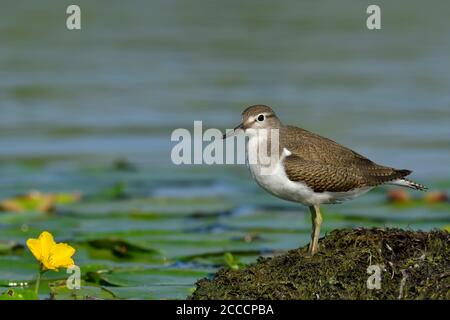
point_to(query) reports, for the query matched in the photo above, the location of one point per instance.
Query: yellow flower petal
(47, 265)
(61, 254)
(50, 254)
(47, 242)
(35, 247)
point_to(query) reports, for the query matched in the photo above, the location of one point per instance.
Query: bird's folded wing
(338, 178)
(313, 147)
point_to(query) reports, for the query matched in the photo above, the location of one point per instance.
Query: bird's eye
(260, 118)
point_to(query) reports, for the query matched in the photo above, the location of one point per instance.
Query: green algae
(412, 264)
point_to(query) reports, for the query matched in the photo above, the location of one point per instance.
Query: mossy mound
(412, 265)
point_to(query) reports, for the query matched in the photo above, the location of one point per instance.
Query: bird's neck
(264, 147)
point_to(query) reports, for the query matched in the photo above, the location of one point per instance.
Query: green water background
(73, 102)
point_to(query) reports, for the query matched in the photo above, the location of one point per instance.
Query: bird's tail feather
(408, 183)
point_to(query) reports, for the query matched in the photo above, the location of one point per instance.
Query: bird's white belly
(276, 182)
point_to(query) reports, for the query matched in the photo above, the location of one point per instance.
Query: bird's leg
(316, 219)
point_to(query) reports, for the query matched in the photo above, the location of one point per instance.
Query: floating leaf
(120, 247)
(152, 207)
(60, 291)
(9, 247)
(37, 201)
(19, 294)
(152, 292)
(21, 271)
(114, 192)
(124, 165)
(160, 277)
(436, 196)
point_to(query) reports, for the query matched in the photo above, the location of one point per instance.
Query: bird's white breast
(274, 180)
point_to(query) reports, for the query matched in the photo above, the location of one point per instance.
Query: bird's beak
(233, 132)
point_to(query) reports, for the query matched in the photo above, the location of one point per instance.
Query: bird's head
(256, 117)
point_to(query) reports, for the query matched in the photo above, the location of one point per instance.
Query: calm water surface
(73, 102)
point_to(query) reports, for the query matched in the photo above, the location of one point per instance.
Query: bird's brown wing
(334, 178)
(325, 165)
(313, 147)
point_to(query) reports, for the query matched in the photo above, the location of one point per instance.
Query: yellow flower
(50, 254)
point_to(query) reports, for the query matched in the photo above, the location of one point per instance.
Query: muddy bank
(412, 265)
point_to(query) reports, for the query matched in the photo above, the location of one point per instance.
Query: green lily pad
(156, 292)
(19, 294)
(151, 207)
(160, 277)
(60, 291)
(37, 201)
(8, 247)
(120, 247)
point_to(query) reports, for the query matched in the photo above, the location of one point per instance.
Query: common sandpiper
(310, 169)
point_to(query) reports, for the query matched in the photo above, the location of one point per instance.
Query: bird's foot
(312, 250)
